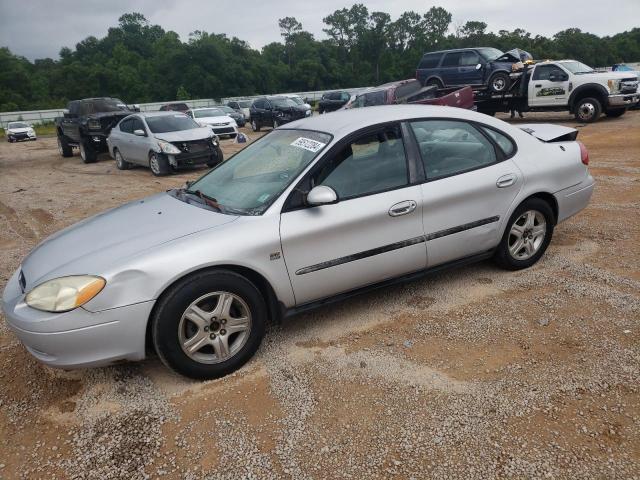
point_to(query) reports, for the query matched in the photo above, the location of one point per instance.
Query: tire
(255, 126)
(499, 82)
(587, 110)
(172, 327)
(121, 163)
(433, 82)
(216, 159)
(63, 147)
(87, 153)
(158, 164)
(615, 112)
(275, 124)
(532, 216)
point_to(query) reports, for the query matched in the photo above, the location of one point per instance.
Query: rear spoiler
(548, 132)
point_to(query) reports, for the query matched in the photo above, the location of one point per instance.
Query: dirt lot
(474, 373)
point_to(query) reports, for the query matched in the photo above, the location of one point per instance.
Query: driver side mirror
(322, 195)
(139, 133)
(478, 66)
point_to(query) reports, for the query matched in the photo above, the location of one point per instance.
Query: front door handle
(538, 85)
(402, 208)
(506, 180)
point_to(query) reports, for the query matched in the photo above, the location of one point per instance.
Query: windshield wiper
(210, 201)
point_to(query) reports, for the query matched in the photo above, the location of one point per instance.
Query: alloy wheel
(154, 165)
(527, 235)
(214, 327)
(60, 146)
(498, 84)
(119, 160)
(83, 153)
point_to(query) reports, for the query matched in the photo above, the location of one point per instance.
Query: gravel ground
(472, 373)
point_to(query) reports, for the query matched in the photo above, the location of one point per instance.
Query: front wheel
(216, 159)
(588, 110)
(499, 83)
(527, 235)
(209, 325)
(158, 164)
(87, 153)
(275, 123)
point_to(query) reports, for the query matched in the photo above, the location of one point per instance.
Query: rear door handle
(538, 85)
(506, 180)
(402, 208)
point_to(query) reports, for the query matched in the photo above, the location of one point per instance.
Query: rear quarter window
(430, 60)
(505, 143)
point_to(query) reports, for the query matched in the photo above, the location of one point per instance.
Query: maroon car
(413, 92)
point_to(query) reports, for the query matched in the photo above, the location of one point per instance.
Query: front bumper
(623, 100)
(78, 338)
(21, 136)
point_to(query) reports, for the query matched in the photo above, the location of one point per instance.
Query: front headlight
(614, 85)
(65, 293)
(214, 140)
(94, 124)
(166, 147)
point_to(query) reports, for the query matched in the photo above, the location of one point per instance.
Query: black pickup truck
(87, 125)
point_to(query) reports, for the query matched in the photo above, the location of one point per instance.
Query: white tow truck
(563, 85)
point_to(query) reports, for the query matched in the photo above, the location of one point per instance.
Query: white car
(19, 131)
(221, 124)
(298, 100)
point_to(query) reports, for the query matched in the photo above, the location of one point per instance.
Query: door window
(450, 147)
(137, 124)
(126, 125)
(543, 72)
(469, 59)
(452, 59)
(373, 163)
(259, 103)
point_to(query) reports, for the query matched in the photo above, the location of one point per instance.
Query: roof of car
(164, 113)
(344, 122)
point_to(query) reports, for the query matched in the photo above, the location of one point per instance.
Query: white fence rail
(37, 117)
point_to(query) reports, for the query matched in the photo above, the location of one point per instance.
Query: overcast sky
(39, 28)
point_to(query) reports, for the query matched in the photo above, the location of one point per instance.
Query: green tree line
(140, 62)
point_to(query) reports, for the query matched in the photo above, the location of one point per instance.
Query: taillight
(584, 153)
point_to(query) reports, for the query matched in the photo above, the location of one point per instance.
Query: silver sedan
(314, 211)
(163, 141)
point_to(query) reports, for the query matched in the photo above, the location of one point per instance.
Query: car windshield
(490, 53)
(577, 67)
(252, 179)
(108, 105)
(244, 103)
(170, 123)
(18, 125)
(208, 112)
(282, 102)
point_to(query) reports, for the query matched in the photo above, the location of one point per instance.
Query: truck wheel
(500, 82)
(615, 112)
(216, 159)
(121, 163)
(588, 110)
(158, 164)
(87, 153)
(63, 147)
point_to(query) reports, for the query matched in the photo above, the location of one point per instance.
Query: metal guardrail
(38, 117)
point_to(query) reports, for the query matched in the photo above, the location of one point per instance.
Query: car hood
(185, 135)
(211, 120)
(95, 244)
(18, 130)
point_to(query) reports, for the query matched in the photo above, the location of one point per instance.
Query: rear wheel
(254, 125)
(87, 153)
(275, 123)
(499, 82)
(588, 110)
(209, 325)
(121, 163)
(527, 235)
(158, 164)
(615, 112)
(434, 82)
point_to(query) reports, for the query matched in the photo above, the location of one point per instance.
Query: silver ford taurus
(320, 209)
